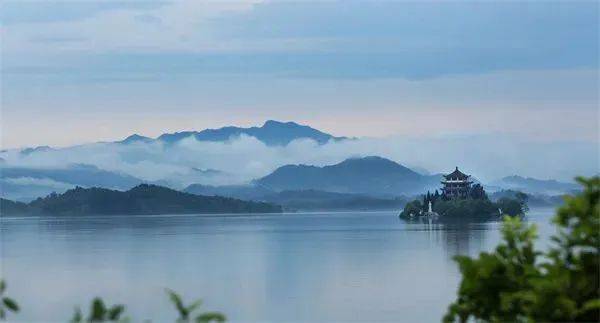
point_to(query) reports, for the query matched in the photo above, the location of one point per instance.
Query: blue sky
(81, 71)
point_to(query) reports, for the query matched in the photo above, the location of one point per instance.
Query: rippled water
(317, 267)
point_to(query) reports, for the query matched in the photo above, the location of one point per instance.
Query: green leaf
(98, 310)
(591, 305)
(509, 284)
(115, 312)
(10, 304)
(211, 317)
(192, 307)
(176, 300)
(2, 286)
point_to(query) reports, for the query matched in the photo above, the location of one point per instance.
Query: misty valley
(46, 180)
(253, 161)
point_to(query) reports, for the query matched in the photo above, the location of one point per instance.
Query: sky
(82, 71)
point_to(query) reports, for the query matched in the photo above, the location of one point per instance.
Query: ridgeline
(142, 199)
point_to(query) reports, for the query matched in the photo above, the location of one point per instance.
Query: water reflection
(319, 267)
(456, 236)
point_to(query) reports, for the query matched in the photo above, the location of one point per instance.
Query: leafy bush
(513, 206)
(519, 284)
(100, 313)
(6, 303)
(186, 313)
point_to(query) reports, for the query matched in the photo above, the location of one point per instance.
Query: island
(140, 200)
(461, 198)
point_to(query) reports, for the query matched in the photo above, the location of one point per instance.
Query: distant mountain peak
(369, 159)
(534, 185)
(37, 149)
(82, 166)
(271, 123)
(272, 133)
(208, 171)
(364, 175)
(375, 162)
(518, 178)
(135, 138)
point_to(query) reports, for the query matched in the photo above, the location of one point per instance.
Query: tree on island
(516, 283)
(477, 192)
(475, 204)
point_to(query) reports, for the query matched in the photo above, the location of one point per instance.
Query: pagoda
(456, 185)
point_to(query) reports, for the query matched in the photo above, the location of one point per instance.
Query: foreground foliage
(7, 304)
(100, 312)
(187, 313)
(516, 283)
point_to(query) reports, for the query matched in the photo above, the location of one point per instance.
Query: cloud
(420, 39)
(242, 159)
(57, 39)
(347, 40)
(38, 182)
(25, 189)
(48, 11)
(149, 19)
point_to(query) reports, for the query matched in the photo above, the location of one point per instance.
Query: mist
(242, 159)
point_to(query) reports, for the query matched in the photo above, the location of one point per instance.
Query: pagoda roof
(457, 174)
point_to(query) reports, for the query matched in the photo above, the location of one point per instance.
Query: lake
(304, 267)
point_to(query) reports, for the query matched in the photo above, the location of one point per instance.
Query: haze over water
(313, 267)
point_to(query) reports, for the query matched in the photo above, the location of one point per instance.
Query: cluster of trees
(533, 199)
(517, 283)
(476, 192)
(476, 204)
(142, 199)
(100, 312)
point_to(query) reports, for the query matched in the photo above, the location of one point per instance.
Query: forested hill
(272, 133)
(142, 199)
(371, 175)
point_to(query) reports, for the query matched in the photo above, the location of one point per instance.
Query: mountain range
(271, 133)
(27, 183)
(534, 186)
(374, 176)
(356, 183)
(75, 174)
(177, 166)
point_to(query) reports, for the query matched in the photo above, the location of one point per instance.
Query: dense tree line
(142, 199)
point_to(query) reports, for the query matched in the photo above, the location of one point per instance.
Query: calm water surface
(318, 267)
